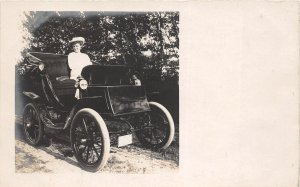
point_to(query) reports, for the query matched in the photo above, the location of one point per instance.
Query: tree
(147, 40)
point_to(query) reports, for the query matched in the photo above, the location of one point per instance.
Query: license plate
(124, 140)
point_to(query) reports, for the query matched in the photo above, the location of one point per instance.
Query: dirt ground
(129, 159)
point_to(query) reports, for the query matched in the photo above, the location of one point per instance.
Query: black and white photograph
(98, 91)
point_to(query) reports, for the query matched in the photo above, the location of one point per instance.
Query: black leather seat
(58, 72)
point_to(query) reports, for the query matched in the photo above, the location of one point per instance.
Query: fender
(32, 96)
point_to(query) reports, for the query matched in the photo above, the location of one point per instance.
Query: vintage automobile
(107, 113)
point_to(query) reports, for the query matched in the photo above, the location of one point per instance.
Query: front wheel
(158, 131)
(90, 139)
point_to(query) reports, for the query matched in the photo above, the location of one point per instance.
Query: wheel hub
(88, 141)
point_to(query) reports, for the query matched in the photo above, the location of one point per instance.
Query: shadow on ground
(129, 159)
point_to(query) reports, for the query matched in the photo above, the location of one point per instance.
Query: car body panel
(109, 90)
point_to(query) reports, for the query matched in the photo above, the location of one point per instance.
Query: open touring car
(106, 98)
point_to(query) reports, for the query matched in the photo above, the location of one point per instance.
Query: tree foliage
(148, 40)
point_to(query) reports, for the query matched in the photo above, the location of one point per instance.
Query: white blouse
(77, 61)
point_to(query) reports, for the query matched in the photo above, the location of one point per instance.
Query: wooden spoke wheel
(33, 128)
(90, 140)
(158, 131)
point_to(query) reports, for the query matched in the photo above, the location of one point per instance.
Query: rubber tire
(171, 127)
(105, 137)
(41, 130)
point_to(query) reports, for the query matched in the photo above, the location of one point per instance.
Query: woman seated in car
(77, 60)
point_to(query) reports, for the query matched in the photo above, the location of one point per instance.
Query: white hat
(77, 39)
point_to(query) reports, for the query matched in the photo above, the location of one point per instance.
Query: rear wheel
(33, 128)
(158, 131)
(90, 140)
